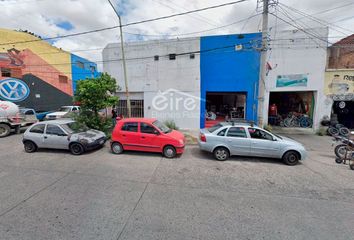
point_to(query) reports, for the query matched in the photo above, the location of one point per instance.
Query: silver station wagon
(62, 134)
(225, 139)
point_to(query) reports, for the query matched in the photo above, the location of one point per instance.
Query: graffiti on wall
(292, 80)
(339, 85)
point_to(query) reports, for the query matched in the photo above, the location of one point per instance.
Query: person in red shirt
(273, 113)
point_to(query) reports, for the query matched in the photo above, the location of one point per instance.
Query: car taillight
(202, 137)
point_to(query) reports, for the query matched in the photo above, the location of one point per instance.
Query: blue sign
(293, 80)
(14, 90)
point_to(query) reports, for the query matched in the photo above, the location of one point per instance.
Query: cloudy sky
(49, 18)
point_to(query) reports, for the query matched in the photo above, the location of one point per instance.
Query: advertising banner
(292, 80)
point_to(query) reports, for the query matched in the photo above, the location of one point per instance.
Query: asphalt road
(54, 195)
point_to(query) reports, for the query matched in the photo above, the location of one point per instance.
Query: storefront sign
(339, 85)
(14, 90)
(293, 80)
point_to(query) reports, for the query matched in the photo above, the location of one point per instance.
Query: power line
(301, 29)
(320, 21)
(129, 24)
(328, 10)
(252, 42)
(300, 26)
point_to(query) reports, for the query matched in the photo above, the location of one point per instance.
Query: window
(29, 112)
(63, 79)
(54, 130)
(259, 134)
(237, 132)
(130, 127)
(192, 56)
(215, 127)
(93, 68)
(146, 128)
(80, 65)
(222, 132)
(172, 56)
(156, 57)
(5, 72)
(38, 128)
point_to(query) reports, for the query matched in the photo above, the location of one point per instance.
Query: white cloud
(41, 17)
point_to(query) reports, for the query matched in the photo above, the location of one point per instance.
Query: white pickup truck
(62, 112)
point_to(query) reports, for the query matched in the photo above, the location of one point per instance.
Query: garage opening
(342, 111)
(224, 106)
(291, 109)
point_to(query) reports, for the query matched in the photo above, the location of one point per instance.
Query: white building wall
(176, 82)
(293, 52)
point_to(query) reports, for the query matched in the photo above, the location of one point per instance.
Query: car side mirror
(156, 132)
(274, 139)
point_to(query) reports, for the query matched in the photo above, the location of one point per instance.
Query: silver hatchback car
(62, 134)
(225, 139)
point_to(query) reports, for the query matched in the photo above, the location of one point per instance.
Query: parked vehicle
(62, 112)
(226, 139)
(28, 115)
(62, 134)
(41, 115)
(10, 119)
(146, 134)
(346, 146)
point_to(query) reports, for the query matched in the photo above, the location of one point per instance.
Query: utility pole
(124, 62)
(262, 73)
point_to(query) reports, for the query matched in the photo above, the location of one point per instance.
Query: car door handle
(229, 140)
(142, 137)
(123, 135)
(45, 137)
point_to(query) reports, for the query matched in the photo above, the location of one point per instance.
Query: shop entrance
(291, 109)
(224, 106)
(344, 112)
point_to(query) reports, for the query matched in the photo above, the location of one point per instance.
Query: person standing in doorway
(114, 116)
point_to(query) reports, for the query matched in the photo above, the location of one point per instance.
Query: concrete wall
(295, 53)
(170, 88)
(224, 69)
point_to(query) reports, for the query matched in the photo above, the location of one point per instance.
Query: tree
(95, 94)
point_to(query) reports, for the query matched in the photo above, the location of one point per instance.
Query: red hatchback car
(146, 134)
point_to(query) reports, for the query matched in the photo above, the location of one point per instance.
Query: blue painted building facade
(230, 64)
(81, 69)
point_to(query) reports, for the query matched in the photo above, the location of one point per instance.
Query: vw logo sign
(14, 90)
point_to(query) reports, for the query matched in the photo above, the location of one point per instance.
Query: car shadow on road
(209, 156)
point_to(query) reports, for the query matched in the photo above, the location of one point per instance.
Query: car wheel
(221, 154)
(116, 148)
(351, 166)
(169, 152)
(4, 130)
(30, 146)
(76, 149)
(291, 158)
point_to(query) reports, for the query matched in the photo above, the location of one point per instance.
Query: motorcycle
(344, 148)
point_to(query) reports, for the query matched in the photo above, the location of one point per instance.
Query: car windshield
(163, 128)
(215, 127)
(64, 109)
(74, 127)
(23, 110)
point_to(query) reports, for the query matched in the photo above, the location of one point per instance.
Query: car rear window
(214, 128)
(130, 127)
